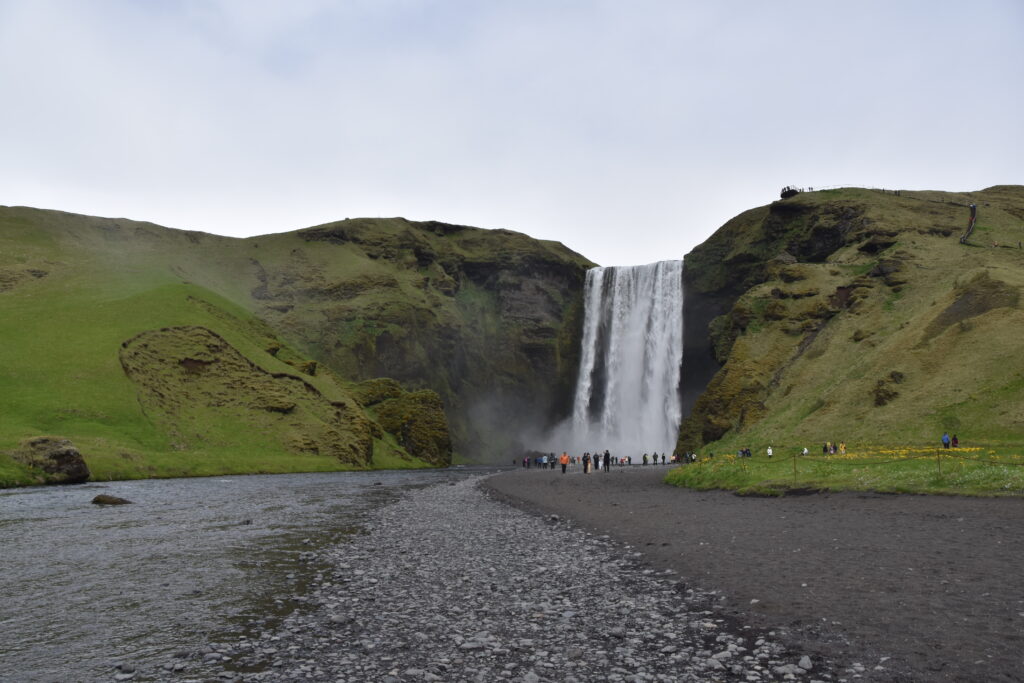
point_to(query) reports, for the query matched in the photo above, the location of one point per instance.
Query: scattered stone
(490, 594)
(791, 669)
(104, 499)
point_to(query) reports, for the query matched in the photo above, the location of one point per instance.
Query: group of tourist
(590, 461)
(831, 448)
(827, 448)
(598, 461)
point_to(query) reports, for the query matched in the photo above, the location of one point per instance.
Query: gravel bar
(451, 584)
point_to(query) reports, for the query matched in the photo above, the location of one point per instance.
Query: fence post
(794, 470)
(938, 461)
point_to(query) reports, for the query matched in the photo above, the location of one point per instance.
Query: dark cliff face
(489, 319)
(699, 362)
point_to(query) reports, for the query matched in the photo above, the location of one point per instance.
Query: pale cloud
(628, 131)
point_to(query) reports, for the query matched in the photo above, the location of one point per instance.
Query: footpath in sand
(448, 584)
(927, 588)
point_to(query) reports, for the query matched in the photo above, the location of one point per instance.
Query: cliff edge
(857, 315)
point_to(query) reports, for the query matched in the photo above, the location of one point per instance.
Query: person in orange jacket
(565, 461)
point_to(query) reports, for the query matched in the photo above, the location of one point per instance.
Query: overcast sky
(630, 131)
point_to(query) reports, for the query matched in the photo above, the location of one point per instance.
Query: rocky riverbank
(494, 593)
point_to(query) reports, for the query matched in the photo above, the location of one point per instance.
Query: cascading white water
(627, 394)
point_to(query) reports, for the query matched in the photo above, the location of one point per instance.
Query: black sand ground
(931, 587)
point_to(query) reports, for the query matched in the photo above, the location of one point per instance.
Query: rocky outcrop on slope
(416, 419)
(56, 459)
(190, 379)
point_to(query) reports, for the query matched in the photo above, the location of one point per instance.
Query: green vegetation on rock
(857, 315)
(206, 395)
(417, 420)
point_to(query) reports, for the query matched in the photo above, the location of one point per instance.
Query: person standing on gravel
(607, 461)
(565, 461)
(586, 462)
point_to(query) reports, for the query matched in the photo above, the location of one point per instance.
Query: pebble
(449, 585)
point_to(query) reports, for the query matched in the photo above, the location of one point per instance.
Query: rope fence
(861, 461)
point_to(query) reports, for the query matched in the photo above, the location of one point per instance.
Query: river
(84, 588)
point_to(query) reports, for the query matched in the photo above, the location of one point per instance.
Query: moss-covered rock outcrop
(52, 460)
(202, 390)
(416, 419)
(855, 314)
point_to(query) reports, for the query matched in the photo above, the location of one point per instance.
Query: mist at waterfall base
(627, 393)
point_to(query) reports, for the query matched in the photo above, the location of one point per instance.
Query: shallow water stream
(84, 588)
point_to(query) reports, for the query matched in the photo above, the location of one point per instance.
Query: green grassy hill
(857, 315)
(842, 315)
(161, 352)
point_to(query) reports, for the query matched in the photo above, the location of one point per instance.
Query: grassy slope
(806, 370)
(974, 471)
(59, 367)
(964, 378)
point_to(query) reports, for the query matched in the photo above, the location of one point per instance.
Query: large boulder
(104, 499)
(56, 457)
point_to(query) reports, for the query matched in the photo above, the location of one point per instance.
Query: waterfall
(627, 394)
